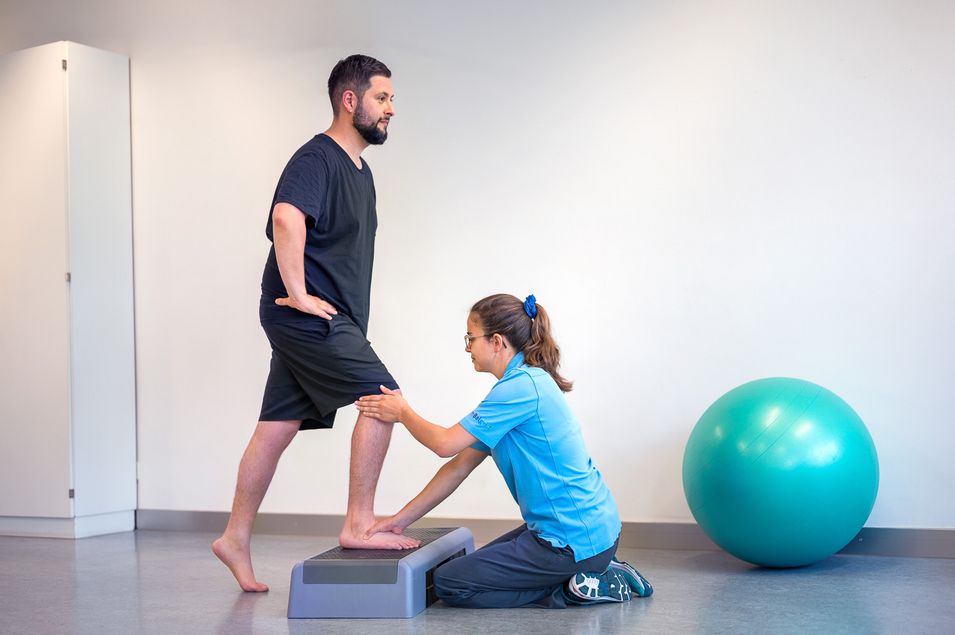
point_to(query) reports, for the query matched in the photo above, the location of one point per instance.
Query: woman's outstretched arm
(445, 481)
(391, 407)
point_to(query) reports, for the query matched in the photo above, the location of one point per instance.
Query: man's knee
(277, 433)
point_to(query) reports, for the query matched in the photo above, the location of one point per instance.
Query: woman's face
(481, 348)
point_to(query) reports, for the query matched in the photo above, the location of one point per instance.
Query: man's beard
(368, 127)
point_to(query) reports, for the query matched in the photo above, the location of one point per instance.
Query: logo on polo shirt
(477, 419)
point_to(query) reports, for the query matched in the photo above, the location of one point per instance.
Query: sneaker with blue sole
(637, 583)
(592, 587)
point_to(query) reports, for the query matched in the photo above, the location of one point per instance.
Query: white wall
(701, 193)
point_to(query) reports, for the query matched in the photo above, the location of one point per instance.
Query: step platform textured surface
(375, 583)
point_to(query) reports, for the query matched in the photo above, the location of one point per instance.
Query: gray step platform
(375, 582)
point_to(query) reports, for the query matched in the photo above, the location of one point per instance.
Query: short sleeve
(304, 185)
(511, 402)
(480, 447)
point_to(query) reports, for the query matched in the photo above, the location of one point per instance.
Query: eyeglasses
(470, 338)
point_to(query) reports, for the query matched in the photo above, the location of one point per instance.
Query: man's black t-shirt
(338, 200)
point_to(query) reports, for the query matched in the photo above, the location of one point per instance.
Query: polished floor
(169, 582)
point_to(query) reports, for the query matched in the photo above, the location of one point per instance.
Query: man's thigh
(318, 367)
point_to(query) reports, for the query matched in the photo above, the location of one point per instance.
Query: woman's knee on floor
(450, 585)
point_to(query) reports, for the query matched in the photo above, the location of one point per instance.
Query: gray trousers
(516, 569)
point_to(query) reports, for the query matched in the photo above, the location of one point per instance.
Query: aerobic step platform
(375, 582)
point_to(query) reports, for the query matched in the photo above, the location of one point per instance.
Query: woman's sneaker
(609, 586)
(637, 583)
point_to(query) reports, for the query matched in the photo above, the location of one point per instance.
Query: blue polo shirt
(526, 425)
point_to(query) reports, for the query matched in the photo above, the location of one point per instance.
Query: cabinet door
(101, 292)
(35, 468)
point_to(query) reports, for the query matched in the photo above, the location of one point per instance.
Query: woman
(564, 553)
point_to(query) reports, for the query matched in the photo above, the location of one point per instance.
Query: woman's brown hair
(527, 327)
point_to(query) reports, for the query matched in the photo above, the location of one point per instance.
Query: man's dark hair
(353, 73)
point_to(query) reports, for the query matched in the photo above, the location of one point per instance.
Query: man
(314, 310)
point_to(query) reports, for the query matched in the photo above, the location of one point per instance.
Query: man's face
(375, 109)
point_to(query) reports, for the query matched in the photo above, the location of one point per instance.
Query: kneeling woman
(564, 554)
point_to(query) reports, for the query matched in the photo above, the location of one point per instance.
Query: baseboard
(100, 524)
(78, 527)
(875, 541)
(908, 543)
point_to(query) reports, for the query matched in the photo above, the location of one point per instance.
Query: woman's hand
(387, 407)
(391, 524)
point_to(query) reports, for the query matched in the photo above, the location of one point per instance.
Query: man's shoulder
(315, 159)
(314, 148)
(323, 150)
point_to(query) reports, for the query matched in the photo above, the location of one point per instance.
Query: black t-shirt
(338, 200)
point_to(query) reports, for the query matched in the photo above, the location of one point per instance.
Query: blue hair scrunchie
(530, 306)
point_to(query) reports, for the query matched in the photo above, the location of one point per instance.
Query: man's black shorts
(318, 366)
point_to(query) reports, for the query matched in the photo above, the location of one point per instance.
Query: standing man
(314, 309)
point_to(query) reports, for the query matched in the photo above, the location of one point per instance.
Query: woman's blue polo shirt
(527, 426)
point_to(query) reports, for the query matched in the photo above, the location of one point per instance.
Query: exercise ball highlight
(780, 472)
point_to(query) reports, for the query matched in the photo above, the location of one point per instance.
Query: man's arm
(391, 407)
(288, 233)
(442, 484)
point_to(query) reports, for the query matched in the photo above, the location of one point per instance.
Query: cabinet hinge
(64, 64)
(69, 277)
(72, 493)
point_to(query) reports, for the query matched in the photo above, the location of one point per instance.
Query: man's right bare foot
(239, 561)
(381, 540)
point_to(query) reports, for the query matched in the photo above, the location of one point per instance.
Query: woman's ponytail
(542, 351)
(527, 327)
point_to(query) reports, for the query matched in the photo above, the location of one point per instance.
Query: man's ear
(350, 101)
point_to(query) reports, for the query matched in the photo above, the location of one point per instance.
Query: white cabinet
(67, 359)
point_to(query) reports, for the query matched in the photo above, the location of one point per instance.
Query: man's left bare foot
(381, 540)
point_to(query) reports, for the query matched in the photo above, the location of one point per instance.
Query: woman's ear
(499, 342)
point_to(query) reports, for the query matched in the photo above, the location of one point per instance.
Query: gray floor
(169, 582)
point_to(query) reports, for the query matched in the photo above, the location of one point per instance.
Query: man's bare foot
(381, 540)
(239, 561)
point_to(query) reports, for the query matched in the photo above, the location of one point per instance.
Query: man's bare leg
(255, 473)
(369, 444)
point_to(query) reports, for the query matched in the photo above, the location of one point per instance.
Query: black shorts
(318, 366)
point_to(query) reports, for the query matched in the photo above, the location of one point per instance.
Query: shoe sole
(638, 584)
(621, 583)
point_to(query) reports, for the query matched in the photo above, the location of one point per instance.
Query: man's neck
(345, 135)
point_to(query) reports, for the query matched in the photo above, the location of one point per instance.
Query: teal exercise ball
(780, 472)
